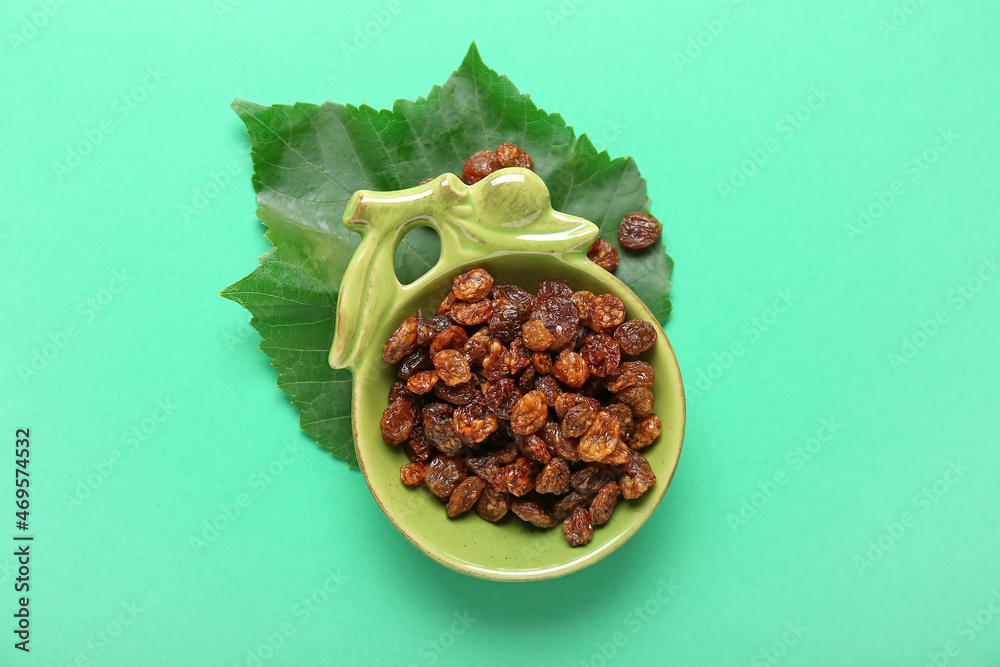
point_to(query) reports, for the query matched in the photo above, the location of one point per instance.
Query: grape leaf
(309, 159)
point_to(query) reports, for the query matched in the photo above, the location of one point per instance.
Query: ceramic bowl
(373, 303)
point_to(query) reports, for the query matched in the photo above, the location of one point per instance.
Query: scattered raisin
(445, 307)
(464, 496)
(549, 387)
(534, 448)
(604, 504)
(416, 361)
(418, 449)
(635, 336)
(558, 444)
(568, 504)
(507, 454)
(485, 466)
(397, 421)
(630, 374)
(603, 254)
(637, 481)
(527, 380)
(474, 422)
(532, 512)
(582, 300)
(479, 165)
(590, 478)
(495, 362)
(444, 474)
(507, 320)
(402, 342)
(399, 390)
(478, 345)
(493, 503)
(498, 393)
(412, 474)
(512, 155)
(529, 413)
(571, 369)
(602, 354)
(606, 312)
(518, 357)
(619, 456)
(639, 230)
(578, 529)
(568, 401)
(474, 285)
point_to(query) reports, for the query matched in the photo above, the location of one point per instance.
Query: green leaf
(309, 159)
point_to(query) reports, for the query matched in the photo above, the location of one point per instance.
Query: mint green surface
(799, 322)
(505, 224)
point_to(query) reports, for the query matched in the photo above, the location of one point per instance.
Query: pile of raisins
(533, 404)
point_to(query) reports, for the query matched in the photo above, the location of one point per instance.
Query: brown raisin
(418, 360)
(590, 478)
(604, 503)
(493, 503)
(402, 342)
(529, 413)
(578, 529)
(397, 421)
(548, 288)
(639, 399)
(554, 477)
(532, 512)
(478, 345)
(439, 428)
(630, 374)
(549, 387)
(578, 420)
(444, 474)
(568, 503)
(474, 285)
(639, 230)
(603, 254)
(558, 444)
(495, 362)
(601, 438)
(582, 300)
(602, 354)
(542, 361)
(619, 456)
(412, 474)
(526, 382)
(560, 317)
(567, 401)
(518, 357)
(512, 155)
(518, 478)
(606, 312)
(635, 336)
(625, 419)
(422, 382)
(464, 496)
(536, 336)
(452, 367)
(515, 295)
(646, 431)
(460, 394)
(479, 165)
(534, 448)
(418, 449)
(571, 369)
(471, 313)
(485, 466)
(498, 395)
(474, 422)
(507, 454)
(452, 338)
(445, 307)
(506, 321)
(399, 390)
(638, 478)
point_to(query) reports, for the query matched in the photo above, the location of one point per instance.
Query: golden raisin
(464, 496)
(452, 367)
(422, 382)
(635, 336)
(452, 338)
(578, 529)
(602, 354)
(512, 155)
(604, 504)
(639, 230)
(493, 503)
(402, 342)
(536, 336)
(444, 474)
(529, 413)
(471, 313)
(532, 512)
(606, 312)
(479, 165)
(412, 474)
(474, 422)
(474, 285)
(603, 254)
(554, 477)
(397, 421)
(601, 438)
(571, 369)
(647, 430)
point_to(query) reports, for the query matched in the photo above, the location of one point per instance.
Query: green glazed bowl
(505, 225)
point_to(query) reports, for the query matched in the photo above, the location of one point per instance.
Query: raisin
(464, 496)
(548, 288)
(493, 504)
(439, 429)
(425, 330)
(639, 399)
(512, 155)
(527, 380)
(578, 529)
(601, 438)
(418, 449)
(452, 367)
(518, 357)
(568, 401)
(536, 336)
(639, 230)
(498, 393)
(549, 387)
(604, 503)
(495, 362)
(635, 336)
(422, 382)
(460, 394)
(416, 361)
(445, 307)
(444, 474)
(625, 421)
(578, 420)
(568, 504)
(397, 421)
(647, 430)
(602, 354)
(478, 345)
(412, 474)
(542, 361)
(518, 478)
(582, 300)
(485, 466)
(402, 342)
(471, 313)
(507, 454)
(507, 320)
(517, 296)
(603, 254)
(606, 312)
(630, 374)
(558, 444)
(560, 317)
(399, 390)
(534, 448)
(529, 413)
(474, 285)
(474, 422)
(532, 512)
(590, 478)
(554, 477)
(571, 369)
(452, 338)
(637, 480)
(479, 165)
(619, 456)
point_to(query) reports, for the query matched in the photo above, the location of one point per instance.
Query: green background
(153, 414)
